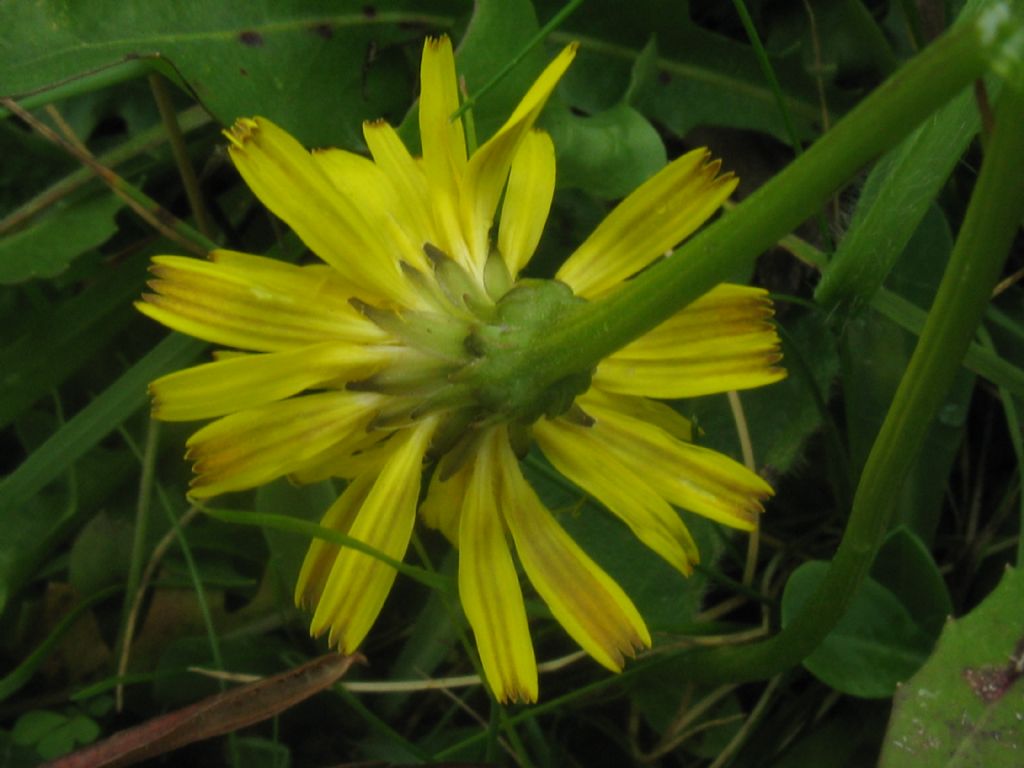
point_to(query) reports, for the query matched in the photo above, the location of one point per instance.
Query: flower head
(367, 367)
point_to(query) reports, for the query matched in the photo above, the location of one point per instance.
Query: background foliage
(93, 493)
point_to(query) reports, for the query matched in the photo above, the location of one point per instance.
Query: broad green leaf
(239, 58)
(59, 340)
(498, 31)
(101, 554)
(875, 355)
(704, 78)
(611, 152)
(906, 568)
(964, 707)
(48, 245)
(643, 73)
(33, 726)
(873, 648)
(74, 731)
(608, 154)
(894, 200)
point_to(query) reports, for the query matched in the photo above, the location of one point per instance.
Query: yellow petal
(444, 144)
(722, 341)
(407, 176)
(322, 554)
(358, 584)
(442, 508)
(286, 178)
(247, 381)
(651, 411)
(489, 166)
(531, 185)
(362, 453)
(695, 478)
(255, 446)
(488, 584)
(381, 204)
(594, 610)
(653, 219)
(583, 456)
(254, 303)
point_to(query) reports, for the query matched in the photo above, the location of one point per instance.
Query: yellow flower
(362, 368)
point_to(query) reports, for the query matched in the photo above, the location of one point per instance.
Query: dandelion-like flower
(364, 368)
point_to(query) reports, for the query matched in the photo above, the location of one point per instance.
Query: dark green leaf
(704, 78)
(608, 154)
(33, 726)
(876, 644)
(58, 340)
(906, 568)
(894, 201)
(875, 355)
(238, 58)
(101, 554)
(964, 707)
(498, 31)
(48, 245)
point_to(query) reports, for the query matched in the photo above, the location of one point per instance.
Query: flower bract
(364, 366)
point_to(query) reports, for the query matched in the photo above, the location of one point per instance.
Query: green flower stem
(995, 211)
(730, 245)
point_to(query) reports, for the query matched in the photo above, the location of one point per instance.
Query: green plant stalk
(780, 98)
(85, 82)
(769, 73)
(148, 209)
(142, 507)
(188, 119)
(993, 216)
(21, 674)
(592, 331)
(169, 118)
(556, 21)
(981, 359)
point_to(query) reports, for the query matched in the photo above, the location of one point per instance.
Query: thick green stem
(993, 216)
(728, 247)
